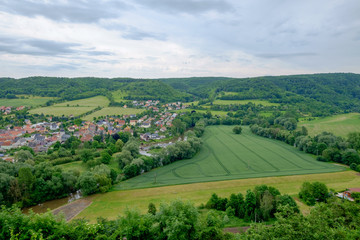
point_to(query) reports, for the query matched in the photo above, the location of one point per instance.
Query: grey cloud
(188, 6)
(285, 55)
(39, 47)
(70, 11)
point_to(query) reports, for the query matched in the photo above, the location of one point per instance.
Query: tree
(86, 155)
(151, 208)
(250, 205)
(23, 155)
(119, 145)
(237, 129)
(105, 157)
(87, 183)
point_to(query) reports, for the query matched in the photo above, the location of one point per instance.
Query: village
(42, 135)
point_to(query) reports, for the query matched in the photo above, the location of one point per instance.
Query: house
(133, 122)
(347, 194)
(145, 125)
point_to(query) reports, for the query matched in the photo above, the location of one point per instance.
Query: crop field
(112, 204)
(59, 111)
(340, 125)
(98, 101)
(113, 111)
(243, 102)
(29, 102)
(226, 156)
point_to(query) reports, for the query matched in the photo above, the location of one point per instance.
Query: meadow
(112, 204)
(243, 102)
(113, 111)
(60, 111)
(213, 112)
(340, 125)
(225, 155)
(98, 101)
(30, 101)
(76, 107)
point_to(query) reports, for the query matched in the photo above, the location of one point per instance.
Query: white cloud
(161, 38)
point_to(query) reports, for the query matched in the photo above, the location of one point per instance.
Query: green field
(29, 102)
(112, 204)
(113, 111)
(243, 102)
(59, 111)
(226, 156)
(98, 101)
(119, 95)
(220, 113)
(76, 107)
(77, 166)
(340, 125)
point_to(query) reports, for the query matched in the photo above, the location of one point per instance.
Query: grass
(59, 111)
(113, 111)
(77, 166)
(112, 204)
(76, 107)
(98, 101)
(340, 125)
(29, 102)
(243, 102)
(220, 113)
(226, 156)
(119, 95)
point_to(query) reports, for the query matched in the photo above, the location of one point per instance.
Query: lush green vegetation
(27, 101)
(110, 204)
(61, 111)
(241, 102)
(99, 101)
(112, 111)
(340, 125)
(225, 155)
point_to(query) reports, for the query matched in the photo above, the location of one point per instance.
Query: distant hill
(333, 92)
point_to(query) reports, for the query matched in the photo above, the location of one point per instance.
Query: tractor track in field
(250, 150)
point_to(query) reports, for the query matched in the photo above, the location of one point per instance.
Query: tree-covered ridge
(77, 88)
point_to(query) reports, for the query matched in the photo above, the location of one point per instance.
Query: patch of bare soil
(72, 209)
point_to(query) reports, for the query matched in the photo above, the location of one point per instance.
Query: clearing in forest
(226, 156)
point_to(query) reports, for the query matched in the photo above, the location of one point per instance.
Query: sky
(178, 38)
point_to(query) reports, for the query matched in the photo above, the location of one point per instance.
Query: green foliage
(152, 208)
(237, 129)
(312, 192)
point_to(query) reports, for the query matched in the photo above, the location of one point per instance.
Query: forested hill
(336, 91)
(77, 88)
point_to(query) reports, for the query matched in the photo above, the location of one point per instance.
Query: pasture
(98, 101)
(112, 111)
(225, 155)
(112, 204)
(340, 125)
(60, 111)
(27, 102)
(76, 107)
(213, 112)
(243, 102)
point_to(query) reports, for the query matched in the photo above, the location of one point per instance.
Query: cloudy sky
(178, 38)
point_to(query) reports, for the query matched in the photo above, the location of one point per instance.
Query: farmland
(99, 101)
(59, 111)
(113, 111)
(112, 204)
(226, 156)
(340, 125)
(76, 107)
(27, 102)
(242, 102)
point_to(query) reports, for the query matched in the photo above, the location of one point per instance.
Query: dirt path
(72, 209)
